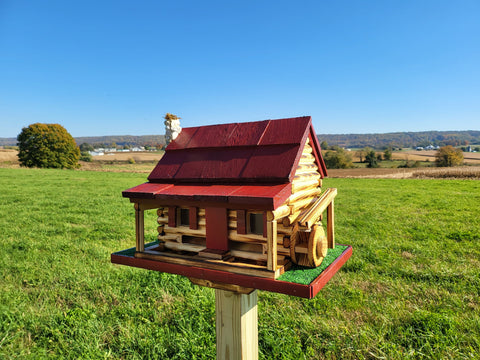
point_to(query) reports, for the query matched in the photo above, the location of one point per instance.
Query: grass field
(410, 291)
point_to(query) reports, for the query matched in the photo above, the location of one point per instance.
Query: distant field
(412, 155)
(144, 162)
(126, 156)
(8, 156)
(411, 289)
(461, 172)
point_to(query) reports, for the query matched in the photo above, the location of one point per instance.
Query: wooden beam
(301, 185)
(139, 228)
(278, 213)
(303, 194)
(236, 325)
(272, 245)
(311, 215)
(331, 225)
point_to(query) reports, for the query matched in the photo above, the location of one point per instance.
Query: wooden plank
(271, 245)
(236, 325)
(331, 225)
(304, 185)
(183, 246)
(278, 213)
(311, 215)
(170, 237)
(212, 264)
(301, 203)
(217, 228)
(265, 224)
(303, 194)
(193, 217)
(172, 216)
(139, 228)
(184, 230)
(305, 176)
(241, 221)
(221, 286)
(251, 238)
(237, 278)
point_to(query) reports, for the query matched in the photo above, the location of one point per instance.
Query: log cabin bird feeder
(238, 204)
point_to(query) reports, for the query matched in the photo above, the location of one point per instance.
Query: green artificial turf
(302, 275)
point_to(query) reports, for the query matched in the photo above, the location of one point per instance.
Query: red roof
(232, 162)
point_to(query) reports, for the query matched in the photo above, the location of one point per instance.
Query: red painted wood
(145, 191)
(260, 151)
(317, 284)
(172, 216)
(317, 152)
(212, 136)
(241, 221)
(286, 131)
(271, 163)
(183, 139)
(266, 197)
(193, 217)
(217, 228)
(283, 287)
(247, 134)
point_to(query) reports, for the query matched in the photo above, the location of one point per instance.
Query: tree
(85, 147)
(324, 145)
(338, 159)
(449, 156)
(371, 159)
(360, 154)
(387, 154)
(47, 146)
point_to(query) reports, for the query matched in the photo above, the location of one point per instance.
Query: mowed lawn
(410, 290)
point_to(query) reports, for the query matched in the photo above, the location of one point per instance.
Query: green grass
(410, 290)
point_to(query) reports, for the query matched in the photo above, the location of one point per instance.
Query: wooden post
(236, 325)
(272, 245)
(331, 225)
(139, 228)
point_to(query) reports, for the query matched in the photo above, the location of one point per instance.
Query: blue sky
(116, 67)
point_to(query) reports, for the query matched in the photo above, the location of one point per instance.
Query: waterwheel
(308, 248)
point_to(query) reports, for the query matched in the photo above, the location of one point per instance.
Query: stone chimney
(172, 127)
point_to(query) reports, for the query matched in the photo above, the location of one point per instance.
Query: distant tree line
(402, 139)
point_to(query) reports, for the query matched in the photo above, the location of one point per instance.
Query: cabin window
(183, 216)
(255, 223)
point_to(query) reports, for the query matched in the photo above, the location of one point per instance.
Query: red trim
(317, 152)
(241, 221)
(172, 216)
(193, 219)
(217, 228)
(283, 287)
(265, 197)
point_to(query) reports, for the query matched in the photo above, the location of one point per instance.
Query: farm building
(244, 198)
